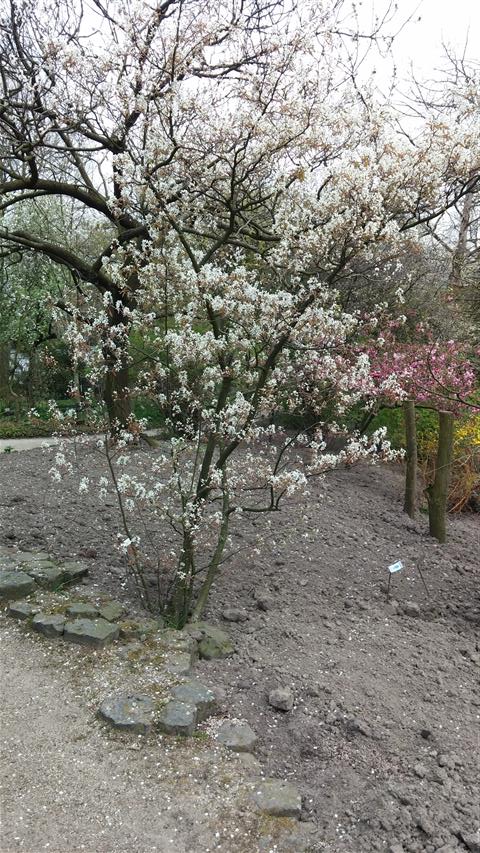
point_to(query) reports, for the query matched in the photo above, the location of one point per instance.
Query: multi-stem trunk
(410, 501)
(116, 395)
(178, 608)
(437, 492)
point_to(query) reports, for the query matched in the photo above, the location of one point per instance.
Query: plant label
(395, 567)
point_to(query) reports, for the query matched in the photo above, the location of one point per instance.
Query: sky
(420, 42)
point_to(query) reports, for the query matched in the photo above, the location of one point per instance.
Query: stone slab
(23, 609)
(15, 585)
(112, 611)
(237, 736)
(74, 570)
(97, 633)
(195, 693)
(50, 625)
(177, 718)
(133, 713)
(48, 577)
(79, 609)
(277, 798)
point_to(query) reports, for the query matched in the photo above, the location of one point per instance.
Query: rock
(22, 610)
(445, 760)
(420, 770)
(281, 698)
(112, 611)
(472, 841)
(411, 609)
(15, 585)
(237, 736)
(134, 713)
(235, 614)
(264, 599)
(50, 625)
(277, 798)
(26, 557)
(178, 641)
(177, 662)
(74, 570)
(214, 643)
(80, 609)
(177, 718)
(396, 848)
(91, 632)
(195, 693)
(47, 576)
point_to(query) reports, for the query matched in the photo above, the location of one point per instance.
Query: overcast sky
(450, 21)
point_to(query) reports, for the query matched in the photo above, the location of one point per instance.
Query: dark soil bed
(383, 739)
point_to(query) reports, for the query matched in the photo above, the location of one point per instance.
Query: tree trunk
(437, 493)
(116, 395)
(410, 501)
(5, 371)
(33, 377)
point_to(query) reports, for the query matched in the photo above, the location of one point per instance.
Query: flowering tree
(433, 374)
(251, 176)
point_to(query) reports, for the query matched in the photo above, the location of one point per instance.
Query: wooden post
(410, 501)
(437, 492)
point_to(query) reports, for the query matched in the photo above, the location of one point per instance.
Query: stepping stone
(50, 625)
(15, 585)
(278, 798)
(237, 736)
(112, 611)
(23, 610)
(48, 577)
(91, 632)
(177, 718)
(24, 557)
(73, 571)
(135, 629)
(80, 609)
(133, 713)
(195, 693)
(178, 663)
(213, 642)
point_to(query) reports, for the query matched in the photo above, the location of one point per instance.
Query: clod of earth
(177, 718)
(235, 614)
(134, 713)
(195, 693)
(281, 698)
(278, 798)
(50, 625)
(138, 628)
(91, 632)
(237, 736)
(15, 585)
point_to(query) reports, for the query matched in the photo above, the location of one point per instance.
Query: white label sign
(395, 567)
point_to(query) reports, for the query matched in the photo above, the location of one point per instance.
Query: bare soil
(383, 740)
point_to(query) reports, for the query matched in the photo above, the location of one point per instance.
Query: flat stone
(50, 625)
(237, 736)
(91, 632)
(24, 557)
(195, 693)
(135, 629)
(48, 577)
(213, 642)
(80, 609)
(15, 585)
(133, 713)
(411, 609)
(112, 611)
(278, 798)
(281, 698)
(23, 610)
(177, 662)
(177, 718)
(74, 570)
